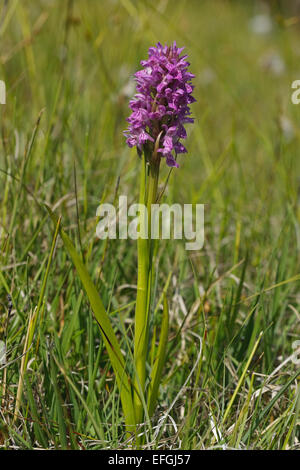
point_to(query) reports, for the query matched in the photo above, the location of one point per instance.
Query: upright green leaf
(109, 337)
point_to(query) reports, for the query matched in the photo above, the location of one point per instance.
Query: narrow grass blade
(270, 405)
(241, 379)
(160, 360)
(242, 418)
(79, 396)
(32, 324)
(69, 329)
(36, 421)
(59, 408)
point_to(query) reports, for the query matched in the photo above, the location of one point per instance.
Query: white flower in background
(2, 92)
(129, 85)
(128, 89)
(287, 128)
(2, 353)
(207, 76)
(261, 24)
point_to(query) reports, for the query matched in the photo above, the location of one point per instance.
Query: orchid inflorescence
(160, 107)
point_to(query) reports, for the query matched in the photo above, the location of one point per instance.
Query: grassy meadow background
(230, 380)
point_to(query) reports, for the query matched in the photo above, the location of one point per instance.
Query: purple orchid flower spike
(160, 107)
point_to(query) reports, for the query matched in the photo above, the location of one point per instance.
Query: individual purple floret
(160, 107)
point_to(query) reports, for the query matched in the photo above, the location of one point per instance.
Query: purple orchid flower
(160, 107)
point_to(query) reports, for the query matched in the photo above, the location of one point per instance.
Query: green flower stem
(148, 196)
